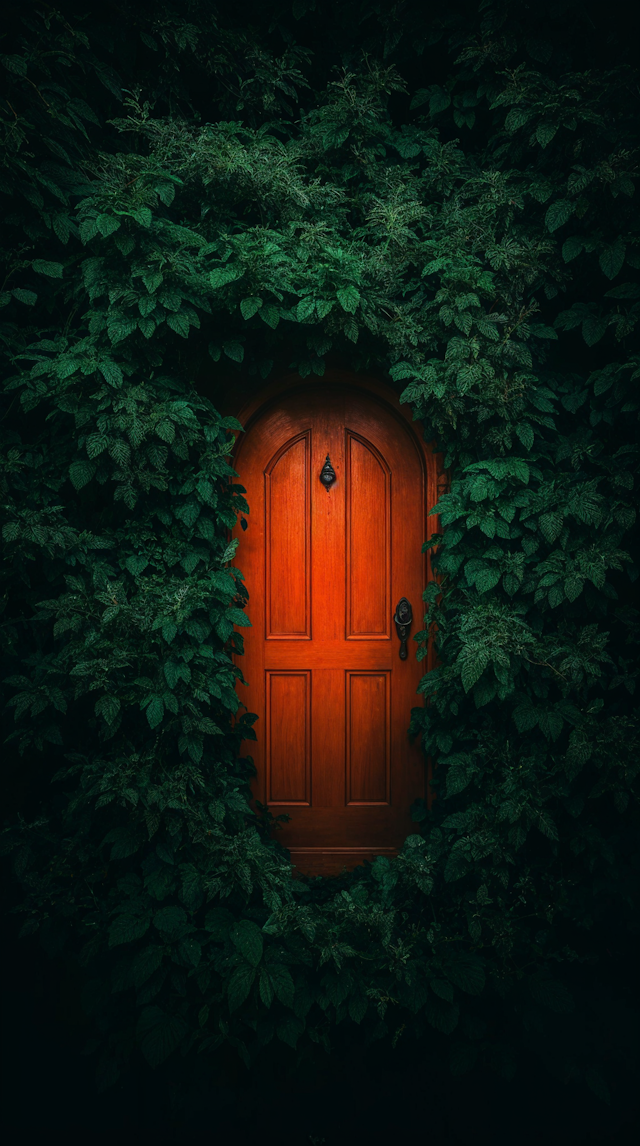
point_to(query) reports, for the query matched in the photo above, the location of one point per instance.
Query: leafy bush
(192, 198)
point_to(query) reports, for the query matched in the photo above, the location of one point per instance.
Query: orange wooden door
(325, 569)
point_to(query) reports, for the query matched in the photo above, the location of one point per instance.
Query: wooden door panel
(368, 747)
(325, 570)
(288, 540)
(368, 525)
(288, 737)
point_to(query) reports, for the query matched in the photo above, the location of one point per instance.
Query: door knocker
(327, 473)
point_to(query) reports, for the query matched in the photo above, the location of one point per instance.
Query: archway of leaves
(185, 192)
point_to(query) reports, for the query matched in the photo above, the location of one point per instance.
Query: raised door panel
(368, 748)
(288, 541)
(288, 737)
(368, 550)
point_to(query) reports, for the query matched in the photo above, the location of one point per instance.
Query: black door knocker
(327, 473)
(403, 618)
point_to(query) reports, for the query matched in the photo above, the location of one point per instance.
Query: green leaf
(349, 297)
(545, 133)
(223, 275)
(81, 473)
(612, 258)
(240, 984)
(247, 937)
(442, 989)
(624, 290)
(572, 247)
(282, 983)
(107, 707)
(524, 432)
(145, 964)
(250, 306)
(551, 525)
(160, 1034)
(155, 711)
(127, 928)
(180, 323)
(441, 1015)
(234, 350)
(270, 315)
(516, 117)
(107, 225)
(53, 270)
(290, 1029)
(238, 617)
(305, 309)
(136, 564)
(28, 297)
(465, 971)
(593, 330)
(171, 920)
(558, 213)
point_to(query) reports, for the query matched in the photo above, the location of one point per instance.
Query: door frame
(435, 475)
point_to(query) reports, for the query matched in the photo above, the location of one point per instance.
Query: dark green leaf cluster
(192, 203)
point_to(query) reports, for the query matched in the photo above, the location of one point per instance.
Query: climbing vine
(194, 201)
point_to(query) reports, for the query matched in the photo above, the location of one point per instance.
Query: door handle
(403, 618)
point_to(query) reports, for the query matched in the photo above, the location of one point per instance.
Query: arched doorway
(339, 486)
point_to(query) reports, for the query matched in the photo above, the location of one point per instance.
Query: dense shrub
(192, 196)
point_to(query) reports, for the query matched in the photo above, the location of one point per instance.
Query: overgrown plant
(189, 195)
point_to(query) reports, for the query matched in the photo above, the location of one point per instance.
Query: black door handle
(403, 618)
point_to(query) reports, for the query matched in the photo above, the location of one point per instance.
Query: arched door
(326, 564)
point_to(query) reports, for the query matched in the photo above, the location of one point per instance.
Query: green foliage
(197, 196)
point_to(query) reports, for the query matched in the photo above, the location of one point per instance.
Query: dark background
(371, 1095)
